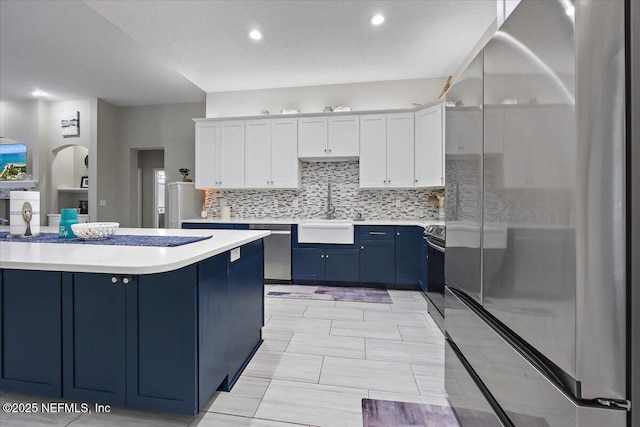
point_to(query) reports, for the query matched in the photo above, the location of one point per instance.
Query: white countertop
(410, 222)
(122, 259)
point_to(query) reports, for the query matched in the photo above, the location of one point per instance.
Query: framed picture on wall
(71, 124)
(84, 182)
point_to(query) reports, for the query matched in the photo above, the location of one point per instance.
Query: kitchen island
(159, 328)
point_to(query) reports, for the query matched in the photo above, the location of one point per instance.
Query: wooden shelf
(72, 190)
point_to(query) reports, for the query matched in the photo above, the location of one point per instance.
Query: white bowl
(94, 230)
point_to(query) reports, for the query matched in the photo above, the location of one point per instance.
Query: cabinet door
(312, 137)
(400, 152)
(452, 134)
(408, 255)
(94, 338)
(284, 154)
(377, 261)
(308, 264)
(344, 136)
(213, 315)
(162, 341)
(207, 155)
(373, 151)
(30, 341)
(429, 141)
(231, 154)
(342, 265)
(246, 306)
(257, 159)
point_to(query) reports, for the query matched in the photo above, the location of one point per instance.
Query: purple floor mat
(330, 293)
(385, 413)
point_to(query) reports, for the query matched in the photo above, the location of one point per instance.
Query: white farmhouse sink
(334, 231)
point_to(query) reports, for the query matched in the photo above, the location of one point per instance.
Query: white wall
(168, 127)
(26, 122)
(312, 99)
(108, 182)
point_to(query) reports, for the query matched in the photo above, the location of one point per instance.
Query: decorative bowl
(94, 230)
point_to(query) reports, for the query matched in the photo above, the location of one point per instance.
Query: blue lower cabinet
(213, 312)
(409, 242)
(377, 261)
(308, 264)
(207, 225)
(342, 265)
(246, 307)
(30, 332)
(94, 331)
(162, 327)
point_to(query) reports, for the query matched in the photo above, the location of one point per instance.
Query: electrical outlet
(294, 203)
(398, 203)
(103, 203)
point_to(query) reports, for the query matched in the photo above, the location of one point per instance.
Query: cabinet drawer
(368, 232)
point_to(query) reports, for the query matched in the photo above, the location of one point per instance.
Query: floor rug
(385, 413)
(330, 293)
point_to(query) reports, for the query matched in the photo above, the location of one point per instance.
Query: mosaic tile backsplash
(311, 200)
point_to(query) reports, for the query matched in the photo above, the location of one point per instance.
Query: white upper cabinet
(373, 151)
(219, 155)
(312, 137)
(271, 158)
(386, 151)
(258, 154)
(429, 142)
(285, 166)
(207, 173)
(327, 138)
(231, 154)
(400, 155)
(344, 137)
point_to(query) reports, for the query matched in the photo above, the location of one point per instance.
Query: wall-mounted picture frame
(71, 124)
(84, 182)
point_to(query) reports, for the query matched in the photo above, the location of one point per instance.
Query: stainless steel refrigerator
(540, 223)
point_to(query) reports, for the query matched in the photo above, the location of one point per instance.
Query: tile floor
(318, 360)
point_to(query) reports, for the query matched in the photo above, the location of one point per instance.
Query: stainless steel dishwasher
(277, 251)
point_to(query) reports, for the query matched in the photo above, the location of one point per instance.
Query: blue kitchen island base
(164, 341)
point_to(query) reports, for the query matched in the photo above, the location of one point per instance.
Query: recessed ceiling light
(377, 19)
(255, 34)
(38, 93)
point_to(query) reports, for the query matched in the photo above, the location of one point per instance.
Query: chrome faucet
(330, 209)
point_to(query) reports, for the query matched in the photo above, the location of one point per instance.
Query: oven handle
(436, 247)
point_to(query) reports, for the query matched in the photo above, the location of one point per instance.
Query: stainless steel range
(435, 238)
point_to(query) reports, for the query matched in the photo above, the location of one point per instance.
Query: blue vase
(67, 217)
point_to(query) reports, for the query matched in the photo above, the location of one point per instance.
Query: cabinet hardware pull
(362, 248)
(416, 180)
(329, 149)
(377, 233)
(114, 279)
(397, 234)
(326, 256)
(321, 256)
(325, 150)
(125, 280)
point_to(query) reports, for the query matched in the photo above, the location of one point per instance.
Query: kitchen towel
(115, 240)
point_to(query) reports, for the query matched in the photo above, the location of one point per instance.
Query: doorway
(151, 187)
(158, 198)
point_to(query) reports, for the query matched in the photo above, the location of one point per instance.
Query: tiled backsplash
(311, 200)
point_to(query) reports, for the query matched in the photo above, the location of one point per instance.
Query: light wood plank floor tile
(369, 374)
(285, 366)
(242, 400)
(313, 404)
(298, 324)
(210, 419)
(403, 351)
(349, 328)
(327, 345)
(332, 313)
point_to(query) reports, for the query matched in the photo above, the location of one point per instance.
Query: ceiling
(141, 53)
